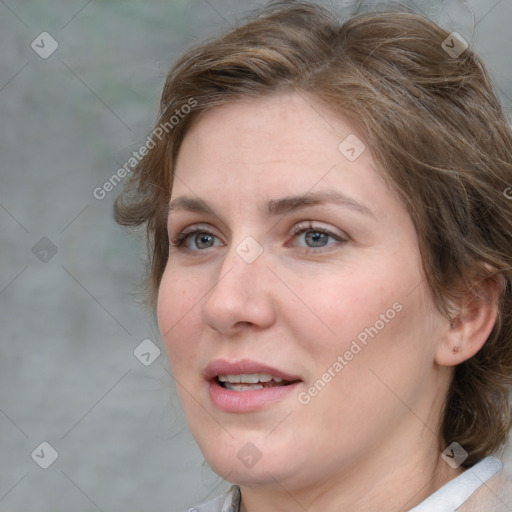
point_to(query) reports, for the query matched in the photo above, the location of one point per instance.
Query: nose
(241, 295)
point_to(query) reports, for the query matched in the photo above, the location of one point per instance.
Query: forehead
(250, 151)
(259, 122)
(275, 135)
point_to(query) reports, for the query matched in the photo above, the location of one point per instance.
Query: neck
(391, 481)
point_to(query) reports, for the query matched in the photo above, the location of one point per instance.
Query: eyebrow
(276, 207)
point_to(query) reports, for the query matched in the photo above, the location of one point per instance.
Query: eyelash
(298, 229)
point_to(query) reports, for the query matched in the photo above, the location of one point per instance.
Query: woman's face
(300, 264)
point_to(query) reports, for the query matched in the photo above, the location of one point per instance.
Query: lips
(245, 385)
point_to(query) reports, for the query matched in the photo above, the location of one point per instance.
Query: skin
(369, 440)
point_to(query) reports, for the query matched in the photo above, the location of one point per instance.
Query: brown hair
(436, 129)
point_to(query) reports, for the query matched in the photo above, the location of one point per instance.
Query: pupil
(315, 237)
(202, 239)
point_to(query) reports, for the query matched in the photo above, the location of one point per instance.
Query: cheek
(375, 317)
(383, 349)
(372, 378)
(344, 307)
(176, 312)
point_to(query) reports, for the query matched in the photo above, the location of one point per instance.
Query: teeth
(241, 387)
(248, 378)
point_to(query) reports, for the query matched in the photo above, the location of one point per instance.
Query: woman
(330, 250)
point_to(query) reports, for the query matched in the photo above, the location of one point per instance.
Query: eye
(194, 239)
(315, 237)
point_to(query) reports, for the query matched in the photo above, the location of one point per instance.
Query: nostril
(243, 324)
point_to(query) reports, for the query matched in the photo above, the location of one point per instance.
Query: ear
(473, 321)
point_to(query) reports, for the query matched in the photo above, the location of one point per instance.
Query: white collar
(453, 494)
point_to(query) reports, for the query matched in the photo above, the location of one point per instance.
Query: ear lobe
(473, 323)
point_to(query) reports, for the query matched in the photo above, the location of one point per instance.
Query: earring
(455, 350)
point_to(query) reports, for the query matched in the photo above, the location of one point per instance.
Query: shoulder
(227, 502)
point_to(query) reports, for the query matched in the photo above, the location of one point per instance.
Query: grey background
(69, 326)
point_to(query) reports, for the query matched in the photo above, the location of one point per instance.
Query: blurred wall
(79, 90)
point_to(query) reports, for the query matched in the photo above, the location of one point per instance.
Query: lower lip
(247, 401)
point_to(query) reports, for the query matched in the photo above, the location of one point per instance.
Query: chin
(241, 464)
(262, 473)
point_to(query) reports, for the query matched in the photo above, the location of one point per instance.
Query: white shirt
(485, 487)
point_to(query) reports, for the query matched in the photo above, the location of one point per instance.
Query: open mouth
(251, 381)
(246, 386)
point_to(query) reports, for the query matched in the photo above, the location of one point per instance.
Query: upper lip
(244, 366)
